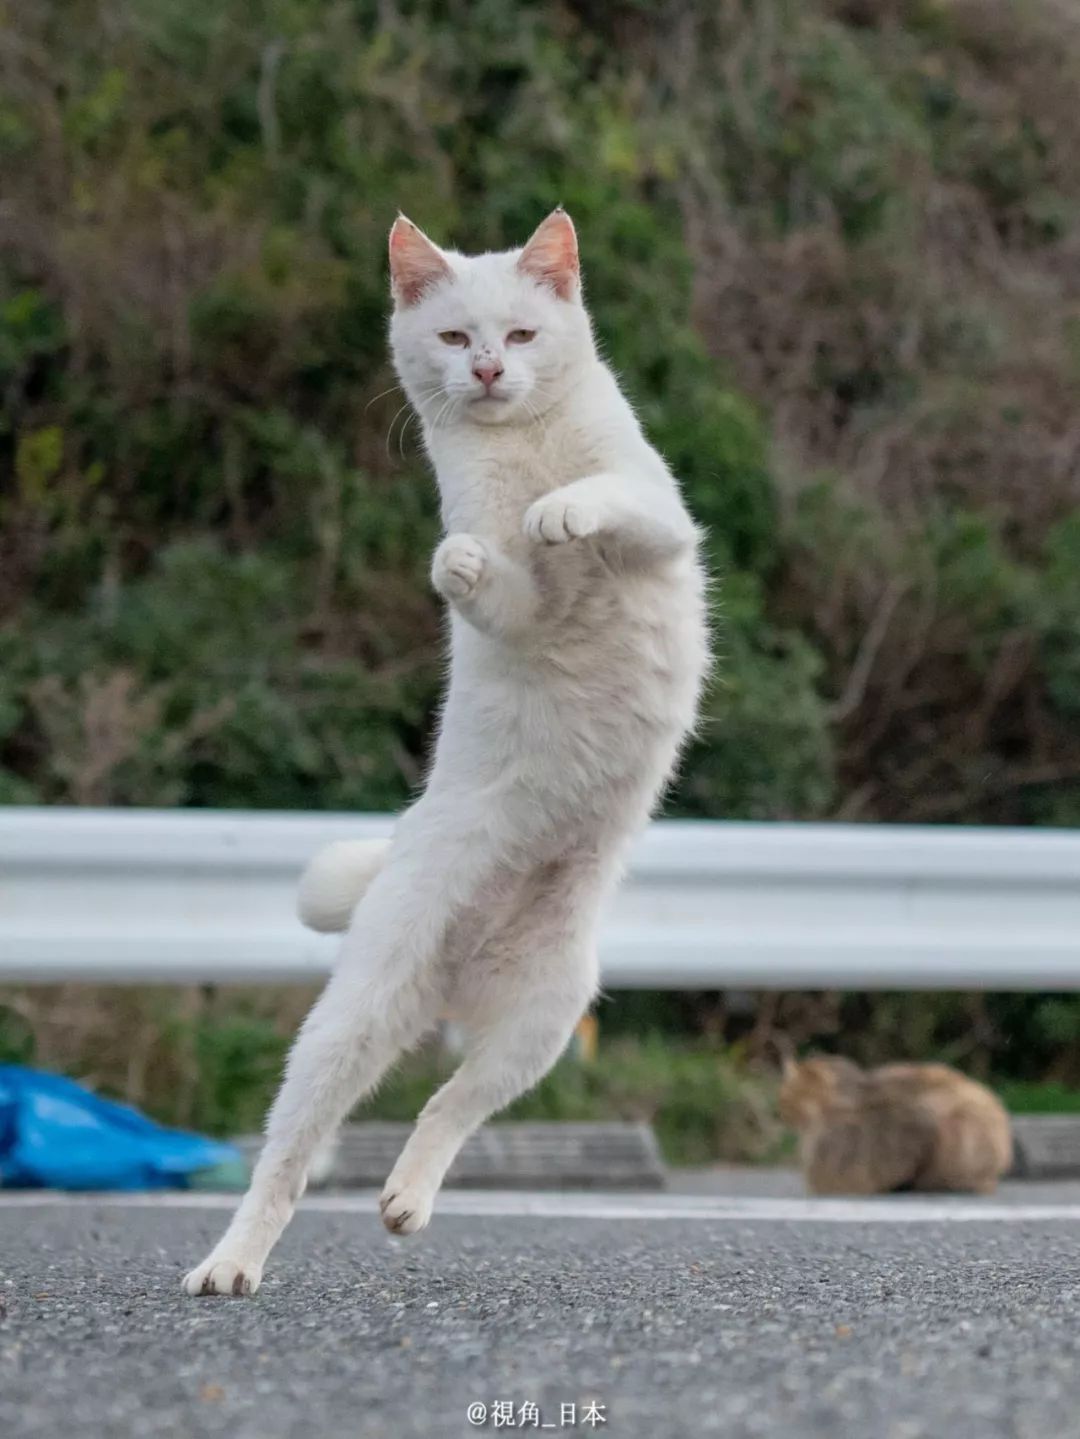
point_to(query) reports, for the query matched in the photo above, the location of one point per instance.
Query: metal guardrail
(208, 896)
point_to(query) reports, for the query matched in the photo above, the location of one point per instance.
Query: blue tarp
(54, 1134)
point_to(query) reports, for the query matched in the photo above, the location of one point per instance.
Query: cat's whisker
(447, 408)
(381, 396)
(434, 389)
(393, 422)
(428, 397)
(411, 418)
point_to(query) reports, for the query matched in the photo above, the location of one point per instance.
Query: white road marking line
(498, 1204)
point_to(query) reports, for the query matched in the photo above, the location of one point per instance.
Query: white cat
(578, 648)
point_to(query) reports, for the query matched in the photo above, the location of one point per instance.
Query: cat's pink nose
(487, 372)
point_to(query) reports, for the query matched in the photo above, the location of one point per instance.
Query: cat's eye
(454, 337)
(520, 337)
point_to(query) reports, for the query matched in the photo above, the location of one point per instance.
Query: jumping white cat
(578, 648)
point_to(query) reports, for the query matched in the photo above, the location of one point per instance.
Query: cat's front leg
(489, 589)
(458, 566)
(639, 519)
(571, 512)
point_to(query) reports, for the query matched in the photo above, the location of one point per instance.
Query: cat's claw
(458, 566)
(557, 518)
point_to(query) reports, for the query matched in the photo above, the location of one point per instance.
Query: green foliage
(1030, 1098)
(238, 1062)
(763, 749)
(190, 685)
(702, 1100)
(214, 523)
(1054, 606)
(216, 539)
(818, 128)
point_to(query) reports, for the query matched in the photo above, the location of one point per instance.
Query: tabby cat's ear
(551, 256)
(415, 263)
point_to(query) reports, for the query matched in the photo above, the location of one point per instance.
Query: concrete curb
(1047, 1146)
(557, 1155)
(535, 1155)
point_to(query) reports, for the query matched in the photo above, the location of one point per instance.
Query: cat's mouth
(492, 407)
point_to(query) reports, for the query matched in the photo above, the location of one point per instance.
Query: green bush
(217, 533)
(214, 519)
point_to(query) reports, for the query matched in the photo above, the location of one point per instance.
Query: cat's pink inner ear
(415, 263)
(551, 256)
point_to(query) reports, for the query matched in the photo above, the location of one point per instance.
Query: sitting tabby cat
(903, 1126)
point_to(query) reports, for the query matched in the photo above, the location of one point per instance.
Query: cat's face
(810, 1088)
(487, 339)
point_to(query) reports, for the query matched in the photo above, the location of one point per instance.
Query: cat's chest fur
(616, 644)
(487, 487)
(587, 702)
(489, 481)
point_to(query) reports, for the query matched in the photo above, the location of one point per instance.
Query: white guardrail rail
(207, 896)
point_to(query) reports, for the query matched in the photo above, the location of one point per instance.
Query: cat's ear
(551, 256)
(415, 263)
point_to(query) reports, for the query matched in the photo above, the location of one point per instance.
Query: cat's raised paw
(232, 1278)
(458, 566)
(560, 517)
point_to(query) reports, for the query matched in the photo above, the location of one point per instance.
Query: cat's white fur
(578, 646)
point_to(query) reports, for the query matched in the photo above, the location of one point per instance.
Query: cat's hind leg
(354, 1032)
(530, 985)
(386, 991)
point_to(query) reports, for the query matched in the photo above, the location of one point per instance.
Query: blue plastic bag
(54, 1134)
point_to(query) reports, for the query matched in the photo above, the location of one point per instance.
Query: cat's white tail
(335, 880)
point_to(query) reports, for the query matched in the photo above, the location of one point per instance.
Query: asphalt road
(674, 1316)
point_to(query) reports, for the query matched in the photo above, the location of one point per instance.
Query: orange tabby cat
(904, 1126)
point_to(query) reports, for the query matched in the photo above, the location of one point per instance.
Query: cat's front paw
(561, 516)
(458, 566)
(406, 1208)
(236, 1275)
